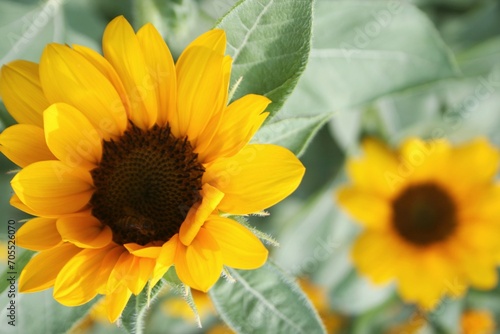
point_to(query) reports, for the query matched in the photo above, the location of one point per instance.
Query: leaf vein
(262, 299)
(254, 26)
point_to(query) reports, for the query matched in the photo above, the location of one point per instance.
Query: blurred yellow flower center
(424, 214)
(145, 185)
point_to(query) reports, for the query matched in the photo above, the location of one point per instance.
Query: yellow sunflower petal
(108, 71)
(38, 234)
(75, 283)
(85, 231)
(199, 265)
(41, 272)
(165, 259)
(422, 291)
(481, 276)
(21, 92)
(123, 50)
(120, 271)
(51, 187)
(68, 77)
(198, 214)
(477, 260)
(440, 279)
(369, 248)
(151, 252)
(116, 302)
(480, 238)
(142, 274)
(71, 136)
(240, 248)
(482, 205)
(134, 271)
(161, 65)
(256, 178)
(107, 265)
(214, 39)
(16, 202)
(366, 208)
(241, 121)
(474, 164)
(24, 144)
(210, 131)
(202, 85)
(377, 171)
(424, 161)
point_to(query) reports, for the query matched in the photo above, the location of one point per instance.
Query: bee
(134, 223)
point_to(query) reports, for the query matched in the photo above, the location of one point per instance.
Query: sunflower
(477, 322)
(132, 164)
(431, 216)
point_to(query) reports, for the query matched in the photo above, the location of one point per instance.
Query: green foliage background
(428, 68)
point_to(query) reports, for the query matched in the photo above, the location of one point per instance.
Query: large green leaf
(366, 49)
(269, 41)
(457, 109)
(294, 133)
(467, 28)
(481, 58)
(39, 313)
(264, 300)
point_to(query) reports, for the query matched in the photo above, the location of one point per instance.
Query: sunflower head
(430, 218)
(132, 163)
(477, 322)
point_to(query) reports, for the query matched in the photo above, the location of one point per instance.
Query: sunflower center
(145, 184)
(424, 214)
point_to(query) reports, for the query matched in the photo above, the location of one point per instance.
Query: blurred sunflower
(477, 322)
(128, 161)
(431, 216)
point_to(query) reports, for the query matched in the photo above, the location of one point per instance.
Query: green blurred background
(447, 50)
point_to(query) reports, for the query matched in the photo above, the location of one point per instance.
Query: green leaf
(40, 313)
(294, 133)
(456, 109)
(366, 49)
(215, 9)
(134, 314)
(466, 29)
(269, 41)
(264, 300)
(481, 58)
